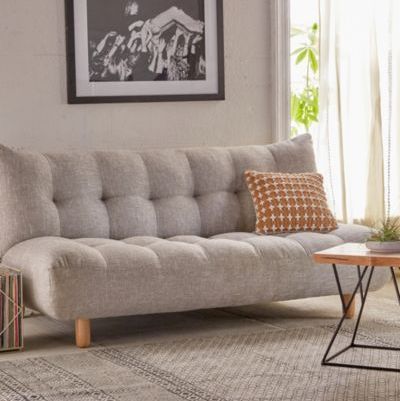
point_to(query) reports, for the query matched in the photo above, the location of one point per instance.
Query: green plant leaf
(301, 56)
(313, 35)
(298, 50)
(294, 104)
(313, 60)
(297, 31)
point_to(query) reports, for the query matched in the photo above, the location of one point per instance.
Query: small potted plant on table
(386, 238)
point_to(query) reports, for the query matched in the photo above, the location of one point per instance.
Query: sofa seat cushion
(93, 278)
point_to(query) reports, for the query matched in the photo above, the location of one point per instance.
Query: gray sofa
(117, 233)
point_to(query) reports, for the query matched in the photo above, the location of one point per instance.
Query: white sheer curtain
(358, 142)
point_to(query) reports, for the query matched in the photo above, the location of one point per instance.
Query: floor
(44, 336)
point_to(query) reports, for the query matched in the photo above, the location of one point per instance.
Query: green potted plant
(305, 99)
(386, 238)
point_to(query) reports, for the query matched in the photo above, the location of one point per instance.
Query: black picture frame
(73, 98)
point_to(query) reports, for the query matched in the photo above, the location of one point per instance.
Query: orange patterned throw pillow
(286, 203)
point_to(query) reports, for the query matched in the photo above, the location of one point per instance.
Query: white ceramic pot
(385, 247)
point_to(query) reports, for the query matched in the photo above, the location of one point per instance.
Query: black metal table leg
(325, 359)
(395, 284)
(361, 287)
(339, 286)
(328, 360)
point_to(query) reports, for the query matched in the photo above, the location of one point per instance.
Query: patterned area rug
(276, 364)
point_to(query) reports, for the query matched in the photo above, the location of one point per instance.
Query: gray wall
(34, 112)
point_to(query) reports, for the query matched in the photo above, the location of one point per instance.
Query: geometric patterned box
(11, 309)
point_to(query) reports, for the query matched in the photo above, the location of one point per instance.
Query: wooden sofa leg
(352, 310)
(82, 333)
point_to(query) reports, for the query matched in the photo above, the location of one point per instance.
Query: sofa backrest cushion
(121, 194)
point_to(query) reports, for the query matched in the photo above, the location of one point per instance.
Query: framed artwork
(144, 50)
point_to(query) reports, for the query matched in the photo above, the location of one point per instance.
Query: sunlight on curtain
(358, 139)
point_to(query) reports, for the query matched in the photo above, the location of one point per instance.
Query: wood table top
(356, 254)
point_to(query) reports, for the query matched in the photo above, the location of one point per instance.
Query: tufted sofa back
(121, 194)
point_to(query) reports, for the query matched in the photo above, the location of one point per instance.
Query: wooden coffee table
(357, 255)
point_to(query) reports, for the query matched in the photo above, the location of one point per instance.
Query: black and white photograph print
(144, 50)
(146, 40)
